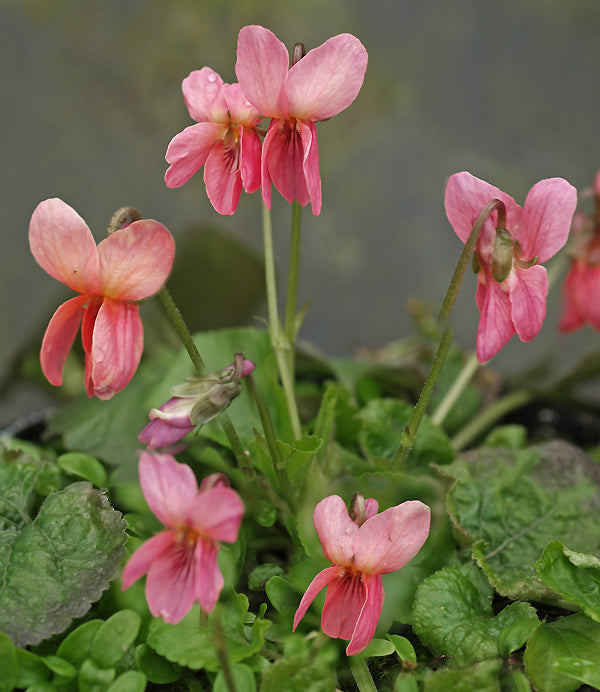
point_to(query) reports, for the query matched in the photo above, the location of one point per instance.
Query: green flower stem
(409, 434)
(291, 326)
(463, 379)
(181, 328)
(174, 314)
(279, 341)
(221, 649)
(237, 447)
(271, 438)
(489, 416)
(362, 674)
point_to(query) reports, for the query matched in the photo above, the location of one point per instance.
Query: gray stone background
(91, 97)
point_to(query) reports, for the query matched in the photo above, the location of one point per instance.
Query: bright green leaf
(76, 646)
(114, 638)
(130, 681)
(93, 678)
(9, 663)
(155, 667)
(83, 466)
(243, 679)
(378, 647)
(586, 672)
(404, 649)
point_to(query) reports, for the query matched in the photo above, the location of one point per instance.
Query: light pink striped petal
(387, 541)
(117, 346)
(283, 155)
(222, 178)
(335, 529)
(170, 488)
(209, 580)
(140, 562)
(171, 584)
(59, 337)
(160, 433)
(312, 175)
(345, 599)
(549, 210)
(136, 261)
(319, 582)
(63, 246)
(261, 69)
(327, 79)
(187, 152)
(465, 198)
(217, 513)
(204, 96)
(528, 289)
(368, 619)
(495, 325)
(250, 158)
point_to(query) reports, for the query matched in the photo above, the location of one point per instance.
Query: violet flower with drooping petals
(511, 283)
(581, 288)
(361, 551)
(180, 563)
(320, 85)
(129, 265)
(224, 141)
(194, 403)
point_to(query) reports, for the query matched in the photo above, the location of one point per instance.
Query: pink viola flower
(195, 403)
(361, 550)
(511, 283)
(318, 86)
(180, 563)
(581, 288)
(224, 141)
(129, 265)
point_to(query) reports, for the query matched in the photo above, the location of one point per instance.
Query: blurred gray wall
(505, 89)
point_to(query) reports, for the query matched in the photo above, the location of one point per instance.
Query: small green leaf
(130, 681)
(59, 666)
(76, 646)
(378, 647)
(93, 678)
(480, 677)
(516, 635)
(9, 664)
(32, 669)
(404, 649)
(568, 637)
(406, 682)
(574, 576)
(243, 679)
(155, 667)
(83, 466)
(114, 637)
(282, 595)
(586, 672)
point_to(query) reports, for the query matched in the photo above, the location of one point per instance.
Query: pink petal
(528, 289)
(371, 507)
(59, 337)
(250, 159)
(345, 599)
(549, 210)
(495, 325)
(465, 198)
(140, 562)
(312, 175)
(171, 582)
(241, 111)
(283, 156)
(209, 580)
(387, 541)
(169, 488)
(187, 152)
(572, 317)
(335, 529)
(117, 346)
(261, 69)
(222, 178)
(63, 246)
(136, 261)
(204, 97)
(319, 582)
(217, 514)
(327, 79)
(368, 619)
(159, 433)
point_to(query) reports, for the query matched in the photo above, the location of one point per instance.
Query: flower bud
(502, 255)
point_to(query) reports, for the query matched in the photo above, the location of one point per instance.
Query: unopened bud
(502, 255)
(122, 218)
(298, 54)
(358, 510)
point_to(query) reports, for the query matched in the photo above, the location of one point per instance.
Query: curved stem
(409, 434)
(489, 416)
(463, 379)
(362, 674)
(174, 314)
(221, 649)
